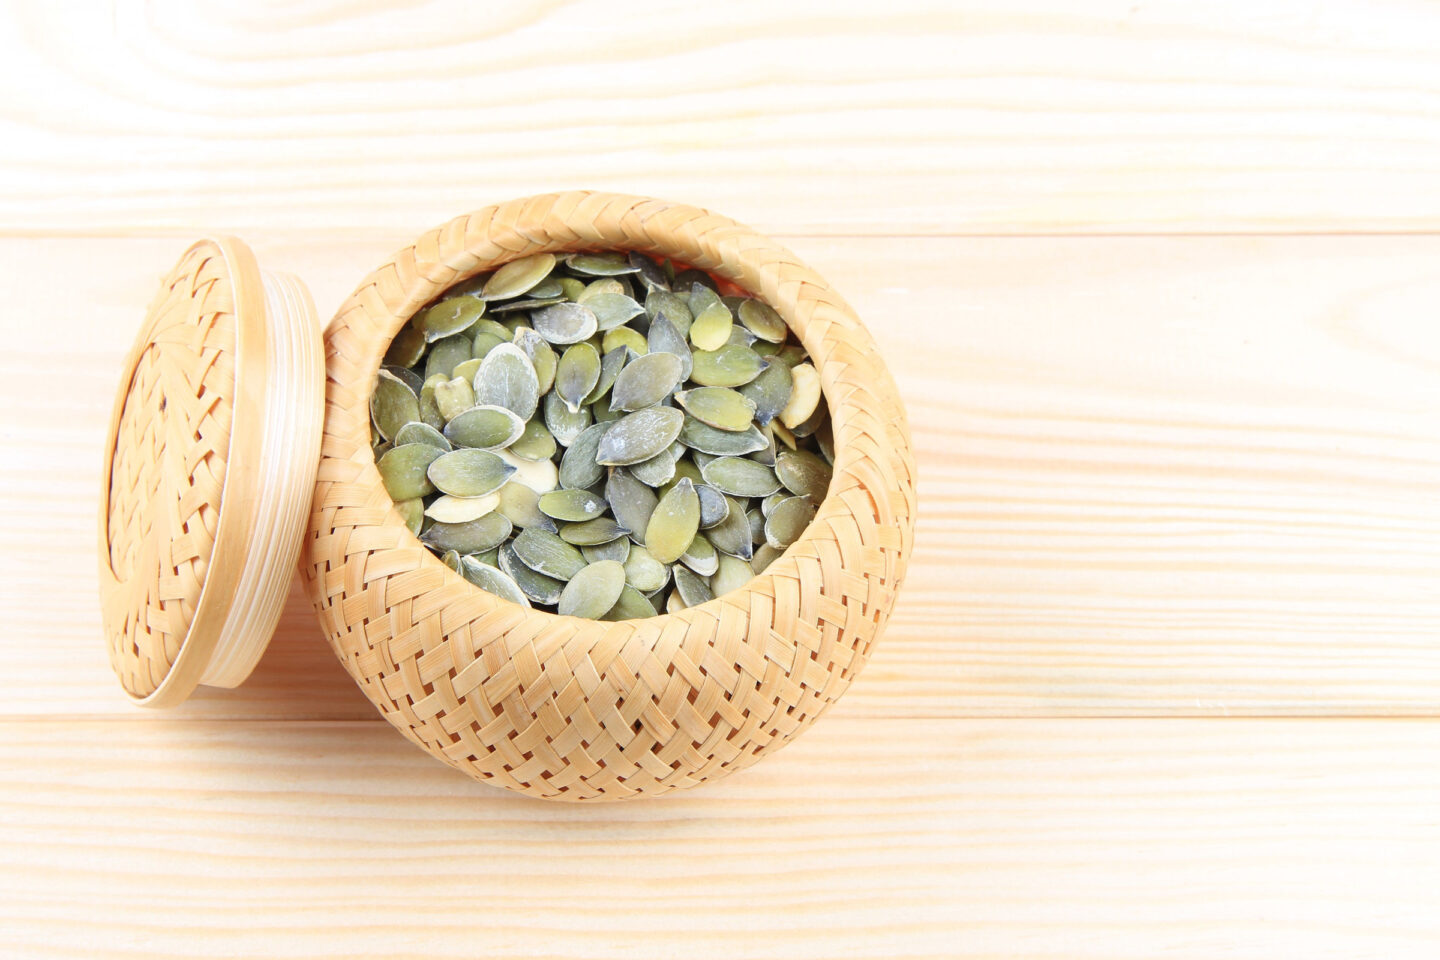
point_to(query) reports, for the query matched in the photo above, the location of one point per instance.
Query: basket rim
(395, 320)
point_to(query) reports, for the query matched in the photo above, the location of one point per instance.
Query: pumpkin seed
(692, 588)
(480, 348)
(538, 587)
(466, 369)
(658, 470)
(445, 355)
(572, 506)
(600, 287)
(664, 338)
(674, 523)
(407, 348)
(546, 289)
(485, 427)
(803, 473)
(403, 470)
(788, 520)
(593, 590)
(769, 502)
(507, 379)
(720, 407)
(732, 535)
(577, 374)
(564, 425)
(702, 296)
(713, 505)
(492, 580)
(612, 310)
(649, 272)
(393, 403)
(453, 397)
(448, 509)
(631, 501)
(711, 329)
(469, 472)
(779, 432)
(756, 520)
(632, 605)
(639, 436)
(732, 574)
(644, 572)
(411, 378)
(449, 317)
(528, 304)
(451, 559)
(825, 440)
(521, 506)
(472, 536)
(541, 355)
(599, 264)
(700, 556)
(518, 276)
(790, 355)
(610, 368)
(588, 533)
(740, 477)
(674, 603)
(617, 549)
(578, 467)
(412, 511)
(721, 443)
(762, 320)
(646, 381)
(539, 475)
(766, 456)
(626, 337)
(811, 424)
(804, 396)
(769, 391)
(429, 413)
(544, 552)
(535, 443)
(572, 288)
(730, 366)
(565, 322)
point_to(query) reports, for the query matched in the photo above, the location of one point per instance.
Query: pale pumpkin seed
(639, 436)
(627, 337)
(646, 381)
(804, 396)
(732, 574)
(492, 580)
(700, 556)
(485, 427)
(538, 587)
(711, 329)
(811, 424)
(539, 475)
(631, 501)
(740, 477)
(762, 320)
(719, 407)
(544, 552)
(469, 472)
(403, 470)
(730, 366)
(702, 296)
(507, 379)
(644, 572)
(518, 276)
(453, 397)
(564, 323)
(577, 374)
(674, 523)
(600, 287)
(481, 346)
(572, 506)
(393, 403)
(572, 288)
(672, 306)
(448, 509)
(473, 536)
(593, 590)
(467, 369)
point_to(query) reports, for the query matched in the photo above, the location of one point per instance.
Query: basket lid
(209, 468)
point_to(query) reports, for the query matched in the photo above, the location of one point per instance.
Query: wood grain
(1158, 476)
(914, 116)
(1021, 839)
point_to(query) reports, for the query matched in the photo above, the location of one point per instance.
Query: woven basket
(571, 709)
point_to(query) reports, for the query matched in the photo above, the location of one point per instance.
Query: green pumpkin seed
(412, 511)
(492, 580)
(411, 378)
(591, 532)
(825, 440)
(664, 338)
(626, 337)
(507, 379)
(639, 436)
(693, 589)
(578, 467)
(610, 367)
(473, 536)
(445, 355)
(572, 506)
(546, 289)
(631, 501)
(612, 309)
(572, 288)
(393, 403)
(711, 329)
(632, 605)
(648, 271)
(762, 320)
(521, 506)
(541, 354)
(658, 470)
(672, 306)
(565, 323)
(733, 573)
(518, 276)
(599, 264)
(429, 413)
(803, 473)
(449, 317)
(684, 470)
(730, 366)
(453, 397)
(674, 523)
(539, 475)
(732, 535)
(538, 587)
(407, 348)
(756, 520)
(601, 287)
(480, 348)
(769, 391)
(740, 477)
(721, 443)
(713, 505)
(535, 443)
(564, 425)
(544, 552)
(469, 472)
(448, 509)
(645, 381)
(403, 470)
(577, 374)
(644, 572)
(486, 428)
(515, 307)
(811, 424)
(702, 296)
(769, 502)
(788, 520)
(790, 355)
(593, 590)
(719, 407)
(451, 559)
(766, 456)
(467, 369)
(617, 549)
(700, 556)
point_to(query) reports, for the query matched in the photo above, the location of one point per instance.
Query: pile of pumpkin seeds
(601, 435)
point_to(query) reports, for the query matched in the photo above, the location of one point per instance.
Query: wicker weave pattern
(562, 708)
(169, 468)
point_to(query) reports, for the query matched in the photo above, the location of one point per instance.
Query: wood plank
(805, 117)
(1158, 476)
(867, 838)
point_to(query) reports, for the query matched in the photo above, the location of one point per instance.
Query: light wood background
(1164, 679)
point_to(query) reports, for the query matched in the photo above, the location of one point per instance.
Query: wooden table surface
(1160, 283)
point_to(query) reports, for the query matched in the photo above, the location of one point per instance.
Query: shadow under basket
(552, 706)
